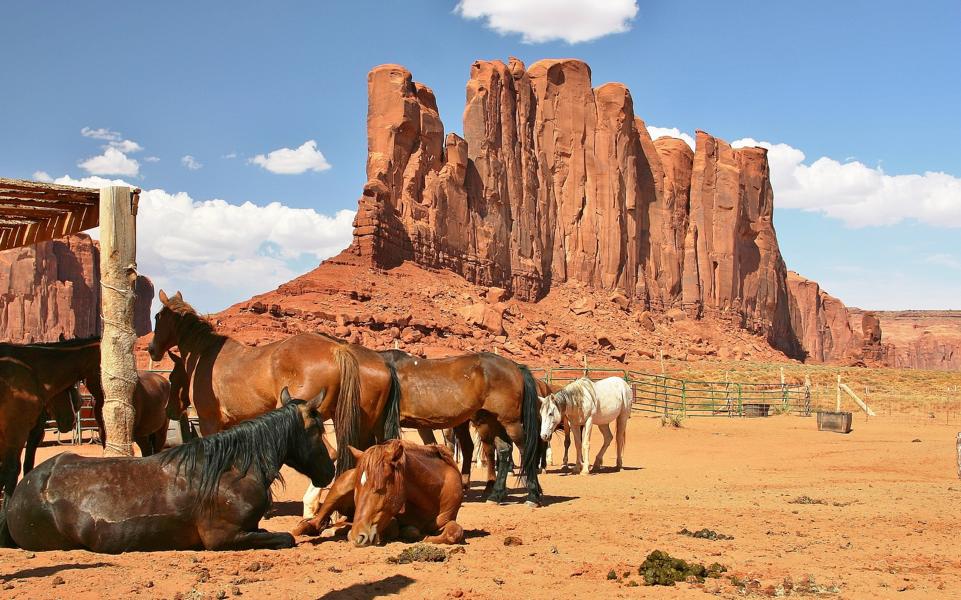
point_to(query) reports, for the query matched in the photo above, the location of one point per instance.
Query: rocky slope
(51, 290)
(917, 339)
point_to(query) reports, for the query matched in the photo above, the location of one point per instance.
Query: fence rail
(668, 396)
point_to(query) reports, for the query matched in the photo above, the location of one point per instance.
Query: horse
(583, 403)
(230, 382)
(497, 395)
(153, 403)
(30, 376)
(209, 494)
(63, 408)
(398, 489)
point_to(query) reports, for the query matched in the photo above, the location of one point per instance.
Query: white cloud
(943, 260)
(190, 162)
(220, 253)
(42, 176)
(674, 132)
(111, 162)
(537, 21)
(126, 146)
(229, 156)
(286, 161)
(101, 133)
(151, 159)
(857, 194)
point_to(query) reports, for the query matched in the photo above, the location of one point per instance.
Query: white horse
(583, 403)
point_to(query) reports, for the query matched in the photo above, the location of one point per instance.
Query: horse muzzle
(546, 437)
(368, 538)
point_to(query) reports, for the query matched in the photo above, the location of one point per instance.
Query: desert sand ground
(884, 526)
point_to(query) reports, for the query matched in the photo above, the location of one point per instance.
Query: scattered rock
(513, 540)
(676, 314)
(620, 300)
(645, 320)
(604, 340)
(584, 306)
(660, 568)
(496, 294)
(619, 355)
(705, 534)
(58, 580)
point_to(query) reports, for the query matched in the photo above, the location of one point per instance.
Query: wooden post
(838, 405)
(118, 274)
(959, 454)
(857, 399)
(585, 366)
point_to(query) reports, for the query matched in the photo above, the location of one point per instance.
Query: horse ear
(398, 453)
(284, 396)
(179, 296)
(317, 400)
(355, 452)
(175, 357)
(163, 297)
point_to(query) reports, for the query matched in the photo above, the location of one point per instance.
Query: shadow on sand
(382, 587)
(52, 569)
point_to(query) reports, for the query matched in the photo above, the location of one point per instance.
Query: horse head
(179, 400)
(165, 325)
(309, 454)
(550, 417)
(379, 491)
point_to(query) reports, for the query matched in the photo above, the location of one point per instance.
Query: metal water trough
(756, 409)
(834, 421)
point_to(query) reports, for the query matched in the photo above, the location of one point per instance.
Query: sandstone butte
(51, 291)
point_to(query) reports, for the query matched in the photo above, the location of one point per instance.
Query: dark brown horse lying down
(398, 488)
(210, 493)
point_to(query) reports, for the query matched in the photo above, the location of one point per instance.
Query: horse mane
(261, 444)
(570, 392)
(192, 329)
(376, 460)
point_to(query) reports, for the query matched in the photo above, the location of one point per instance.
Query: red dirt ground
(887, 528)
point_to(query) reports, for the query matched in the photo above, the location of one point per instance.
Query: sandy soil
(887, 527)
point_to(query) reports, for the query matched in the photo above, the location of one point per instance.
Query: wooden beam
(118, 274)
(864, 407)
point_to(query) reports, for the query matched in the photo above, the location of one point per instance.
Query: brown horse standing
(417, 485)
(63, 408)
(231, 382)
(153, 401)
(497, 395)
(54, 368)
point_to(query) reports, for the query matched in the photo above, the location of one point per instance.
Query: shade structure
(32, 211)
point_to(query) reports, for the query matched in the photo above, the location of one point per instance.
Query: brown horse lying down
(210, 493)
(397, 488)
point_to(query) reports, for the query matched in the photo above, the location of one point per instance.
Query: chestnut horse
(417, 485)
(154, 400)
(30, 376)
(231, 382)
(63, 408)
(497, 395)
(208, 494)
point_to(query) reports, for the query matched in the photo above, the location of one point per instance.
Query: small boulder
(620, 300)
(646, 321)
(584, 306)
(257, 307)
(676, 314)
(618, 355)
(604, 340)
(496, 294)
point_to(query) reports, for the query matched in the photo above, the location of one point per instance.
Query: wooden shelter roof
(32, 212)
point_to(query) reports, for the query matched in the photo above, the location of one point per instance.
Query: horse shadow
(382, 587)
(50, 570)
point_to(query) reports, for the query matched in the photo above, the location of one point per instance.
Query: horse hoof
(532, 504)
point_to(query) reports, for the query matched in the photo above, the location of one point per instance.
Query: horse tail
(347, 412)
(392, 410)
(531, 419)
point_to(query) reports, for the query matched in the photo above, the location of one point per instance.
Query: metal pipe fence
(669, 396)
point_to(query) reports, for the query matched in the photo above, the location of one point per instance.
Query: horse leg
(427, 436)
(576, 432)
(516, 433)
(622, 436)
(33, 442)
(486, 430)
(340, 498)
(450, 533)
(608, 437)
(254, 540)
(462, 434)
(9, 472)
(586, 444)
(567, 445)
(503, 449)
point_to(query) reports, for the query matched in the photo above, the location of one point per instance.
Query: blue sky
(871, 86)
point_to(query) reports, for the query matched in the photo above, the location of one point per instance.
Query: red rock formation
(51, 290)
(915, 339)
(822, 320)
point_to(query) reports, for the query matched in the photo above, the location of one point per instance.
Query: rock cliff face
(915, 339)
(51, 290)
(555, 181)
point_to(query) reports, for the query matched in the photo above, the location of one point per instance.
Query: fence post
(740, 402)
(683, 398)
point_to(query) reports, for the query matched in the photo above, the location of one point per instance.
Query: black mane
(261, 444)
